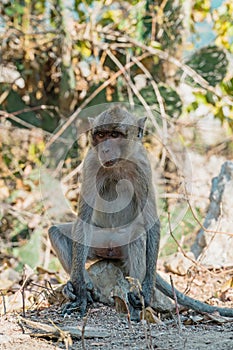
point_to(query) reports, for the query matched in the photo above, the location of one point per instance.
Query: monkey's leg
(152, 247)
(62, 244)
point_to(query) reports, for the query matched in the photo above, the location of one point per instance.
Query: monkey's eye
(100, 134)
(115, 134)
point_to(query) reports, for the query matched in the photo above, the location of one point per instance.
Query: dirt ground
(111, 330)
(121, 336)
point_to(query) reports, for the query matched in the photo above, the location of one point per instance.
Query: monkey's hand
(79, 297)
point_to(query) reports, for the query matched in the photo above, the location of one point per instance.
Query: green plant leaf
(211, 63)
(171, 99)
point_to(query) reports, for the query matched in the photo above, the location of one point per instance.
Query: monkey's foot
(77, 297)
(92, 293)
(71, 307)
(79, 302)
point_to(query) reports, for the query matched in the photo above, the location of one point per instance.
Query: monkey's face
(111, 145)
(114, 135)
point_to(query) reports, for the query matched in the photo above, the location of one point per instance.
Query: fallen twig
(4, 302)
(76, 332)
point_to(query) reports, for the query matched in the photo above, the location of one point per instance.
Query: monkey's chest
(115, 204)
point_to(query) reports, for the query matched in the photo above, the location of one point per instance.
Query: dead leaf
(120, 305)
(216, 317)
(8, 277)
(41, 270)
(226, 293)
(195, 318)
(149, 315)
(13, 302)
(228, 284)
(4, 191)
(55, 295)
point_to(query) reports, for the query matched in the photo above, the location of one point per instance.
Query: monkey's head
(114, 135)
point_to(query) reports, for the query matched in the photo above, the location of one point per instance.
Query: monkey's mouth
(111, 163)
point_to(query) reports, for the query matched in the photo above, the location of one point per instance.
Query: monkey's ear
(141, 124)
(91, 121)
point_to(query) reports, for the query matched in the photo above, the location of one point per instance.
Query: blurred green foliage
(60, 52)
(30, 253)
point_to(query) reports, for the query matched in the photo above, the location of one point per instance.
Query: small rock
(110, 281)
(108, 277)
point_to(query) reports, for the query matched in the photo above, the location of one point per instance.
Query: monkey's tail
(191, 303)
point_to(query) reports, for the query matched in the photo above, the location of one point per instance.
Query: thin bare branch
(176, 304)
(136, 92)
(91, 97)
(161, 105)
(195, 262)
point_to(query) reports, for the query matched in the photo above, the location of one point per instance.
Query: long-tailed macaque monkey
(117, 216)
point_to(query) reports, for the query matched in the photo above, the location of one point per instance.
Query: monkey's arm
(76, 289)
(152, 227)
(191, 303)
(152, 247)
